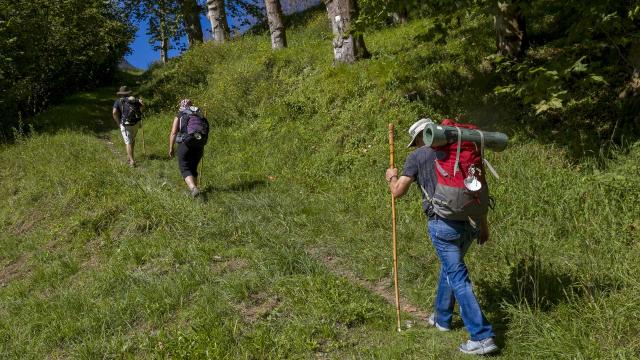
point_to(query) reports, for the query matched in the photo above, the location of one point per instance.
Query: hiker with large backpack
(191, 130)
(127, 113)
(456, 215)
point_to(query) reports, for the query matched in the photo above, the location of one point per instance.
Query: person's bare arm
(398, 185)
(116, 116)
(172, 136)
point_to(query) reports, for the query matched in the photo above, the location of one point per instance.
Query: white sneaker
(481, 347)
(432, 321)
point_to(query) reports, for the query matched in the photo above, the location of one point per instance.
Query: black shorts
(188, 160)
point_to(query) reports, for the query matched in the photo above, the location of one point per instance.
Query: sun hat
(417, 128)
(124, 90)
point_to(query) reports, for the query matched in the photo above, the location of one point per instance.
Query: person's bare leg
(130, 148)
(192, 183)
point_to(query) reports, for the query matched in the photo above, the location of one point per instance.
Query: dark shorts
(188, 160)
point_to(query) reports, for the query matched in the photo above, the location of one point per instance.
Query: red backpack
(461, 190)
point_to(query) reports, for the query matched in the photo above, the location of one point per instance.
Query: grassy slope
(102, 260)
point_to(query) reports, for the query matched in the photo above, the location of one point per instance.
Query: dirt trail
(13, 270)
(382, 288)
(106, 138)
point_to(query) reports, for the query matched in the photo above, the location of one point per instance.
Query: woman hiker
(190, 129)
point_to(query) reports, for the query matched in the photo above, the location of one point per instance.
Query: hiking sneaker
(481, 347)
(432, 321)
(195, 192)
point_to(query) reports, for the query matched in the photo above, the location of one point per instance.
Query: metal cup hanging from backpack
(471, 182)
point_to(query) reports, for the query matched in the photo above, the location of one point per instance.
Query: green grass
(100, 260)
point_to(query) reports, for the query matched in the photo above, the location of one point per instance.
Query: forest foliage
(576, 83)
(579, 67)
(49, 49)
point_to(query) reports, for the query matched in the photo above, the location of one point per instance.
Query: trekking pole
(144, 149)
(200, 182)
(393, 229)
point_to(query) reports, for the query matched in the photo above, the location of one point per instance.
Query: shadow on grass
(209, 190)
(245, 185)
(438, 33)
(538, 286)
(156, 157)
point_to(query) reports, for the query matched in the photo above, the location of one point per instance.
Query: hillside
(288, 253)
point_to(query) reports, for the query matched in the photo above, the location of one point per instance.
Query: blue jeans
(452, 239)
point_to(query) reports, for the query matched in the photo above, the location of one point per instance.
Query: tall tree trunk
(511, 30)
(164, 41)
(191, 15)
(276, 24)
(164, 48)
(218, 18)
(347, 48)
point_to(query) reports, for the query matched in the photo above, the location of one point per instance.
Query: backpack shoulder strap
(184, 114)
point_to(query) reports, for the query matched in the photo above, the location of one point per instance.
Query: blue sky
(142, 53)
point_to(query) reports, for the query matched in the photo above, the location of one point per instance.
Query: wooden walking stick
(393, 230)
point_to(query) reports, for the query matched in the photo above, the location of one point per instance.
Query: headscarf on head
(185, 104)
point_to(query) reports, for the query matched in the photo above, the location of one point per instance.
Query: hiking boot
(481, 347)
(432, 321)
(195, 192)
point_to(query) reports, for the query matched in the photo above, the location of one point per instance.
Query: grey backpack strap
(442, 171)
(428, 199)
(474, 223)
(426, 195)
(456, 166)
(485, 161)
(491, 169)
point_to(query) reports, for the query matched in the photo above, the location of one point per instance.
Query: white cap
(417, 128)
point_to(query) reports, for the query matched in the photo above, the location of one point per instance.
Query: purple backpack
(195, 124)
(194, 128)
